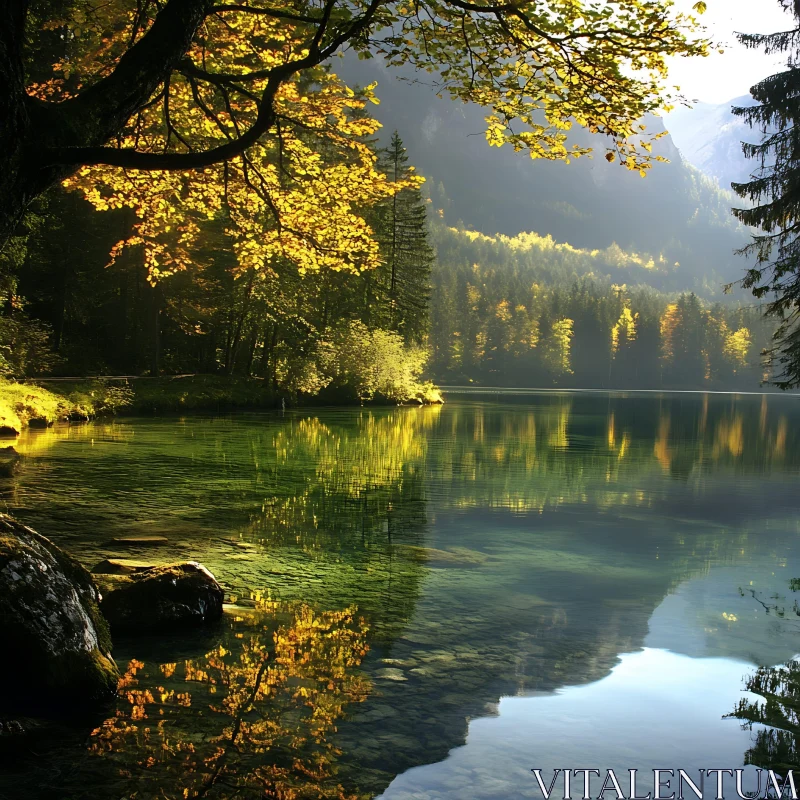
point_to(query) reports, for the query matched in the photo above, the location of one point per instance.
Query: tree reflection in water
(776, 746)
(252, 718)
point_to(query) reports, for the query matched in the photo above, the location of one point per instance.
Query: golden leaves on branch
(285, 201)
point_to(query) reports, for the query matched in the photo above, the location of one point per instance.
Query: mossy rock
(8, 432)
(171, 597)
(56, 644)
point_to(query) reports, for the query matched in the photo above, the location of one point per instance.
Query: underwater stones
(164, 598)
(377, 714)
(399, 662)
(422, 672)
(55, 642)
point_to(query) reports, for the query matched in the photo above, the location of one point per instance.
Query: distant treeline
(531, 312)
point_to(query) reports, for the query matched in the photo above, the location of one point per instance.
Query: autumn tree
(208, 105)
(684, 340)
(557, 347)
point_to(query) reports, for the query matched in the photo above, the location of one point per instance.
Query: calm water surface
(430, 602)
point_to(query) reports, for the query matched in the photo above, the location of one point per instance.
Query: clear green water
(429, 602)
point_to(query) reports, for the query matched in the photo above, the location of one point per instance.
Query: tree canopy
(189, 109)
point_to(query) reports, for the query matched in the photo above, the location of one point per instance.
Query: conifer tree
(405, 275)
(774, 190)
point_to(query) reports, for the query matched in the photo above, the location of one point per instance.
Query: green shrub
(25, 346)
(376, 365)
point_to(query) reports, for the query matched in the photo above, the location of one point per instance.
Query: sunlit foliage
(494, 324)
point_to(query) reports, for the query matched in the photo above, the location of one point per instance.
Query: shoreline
(32, 404)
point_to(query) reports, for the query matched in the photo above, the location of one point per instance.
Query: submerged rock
(120, 566)
(459, 557)
(55, 642)
(391, 674)
(10, 460)
(163, 598)
(145, 540)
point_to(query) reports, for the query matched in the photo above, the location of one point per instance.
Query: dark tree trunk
(251, 357)
(155, 366)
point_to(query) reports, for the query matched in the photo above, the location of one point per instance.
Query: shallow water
(430, 602)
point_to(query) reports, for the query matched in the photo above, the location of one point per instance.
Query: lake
(430, 602)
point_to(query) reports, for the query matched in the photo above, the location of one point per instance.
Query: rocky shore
(57, 620)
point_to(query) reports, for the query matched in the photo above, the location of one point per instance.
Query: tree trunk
(253, 344)
(40, 141)
(155, 367)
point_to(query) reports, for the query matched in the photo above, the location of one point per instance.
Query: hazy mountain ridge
(710, 137)
(676, 215)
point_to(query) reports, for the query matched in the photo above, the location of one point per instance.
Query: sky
(719, 78)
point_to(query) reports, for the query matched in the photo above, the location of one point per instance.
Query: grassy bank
(23, 404)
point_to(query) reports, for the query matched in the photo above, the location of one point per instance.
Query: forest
(526, 311)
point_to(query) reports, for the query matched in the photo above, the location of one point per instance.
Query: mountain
(675, 214)
(710, 137)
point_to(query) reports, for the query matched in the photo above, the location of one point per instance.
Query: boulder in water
(163, 598)
(55, 642)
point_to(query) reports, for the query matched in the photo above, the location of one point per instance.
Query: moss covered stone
(56, 644)
(163, 598)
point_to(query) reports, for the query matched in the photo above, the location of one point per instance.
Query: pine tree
(775, 191)
(404, 277)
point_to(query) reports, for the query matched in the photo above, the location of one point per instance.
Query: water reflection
(773, 709)
(492, 550)
(655, 710)
(254, 717)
